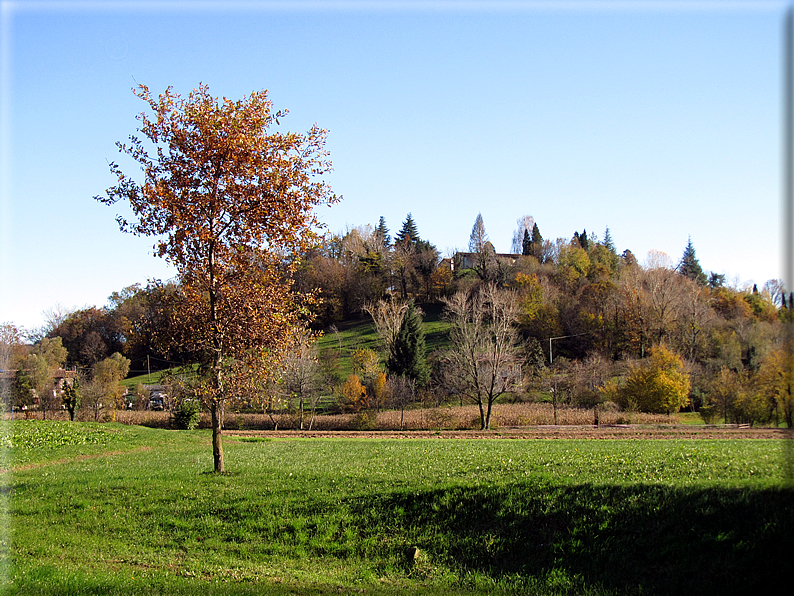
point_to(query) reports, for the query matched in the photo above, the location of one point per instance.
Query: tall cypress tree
(526, 244)
(408, 355)
(537, 242)
(690, 266)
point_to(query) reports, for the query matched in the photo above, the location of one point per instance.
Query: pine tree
(408, 357)
(408, 233)
(382, 233)
(526, 244)
(608, 243)
(689, 266)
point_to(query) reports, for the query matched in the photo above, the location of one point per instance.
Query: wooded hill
(604, 312)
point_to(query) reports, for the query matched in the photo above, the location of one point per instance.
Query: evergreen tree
(608, 243)
(536, 237)
(382, 233)
(526, 244)
(408, 232)
(690, 266)
(408, 357)
(583, 240)
(537, 242)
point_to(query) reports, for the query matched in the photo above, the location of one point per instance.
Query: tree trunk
(217, 439)
(488, 417)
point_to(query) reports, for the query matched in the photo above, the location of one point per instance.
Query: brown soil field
(539, 432)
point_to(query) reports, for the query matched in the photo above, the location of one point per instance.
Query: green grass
(360, 333)
(136, 511)
(155, 378)
(353, 334)
(689, 418)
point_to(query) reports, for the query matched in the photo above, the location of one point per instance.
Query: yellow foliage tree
(775, 381)
(353, 395)
(658, 384)
(379, 389)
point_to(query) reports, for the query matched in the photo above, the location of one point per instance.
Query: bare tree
(663, 289)
(301, 374)
(402, 391)
(484, 360)
(478, 236)
(388, 316)
(524, 224)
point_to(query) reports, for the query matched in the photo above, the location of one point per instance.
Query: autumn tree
(47, 357)
(353, 395)
(478, 236)
(227, 200)
(107, 376)
(776, 381)
(11, 356)
(484, 359)
(657, 384)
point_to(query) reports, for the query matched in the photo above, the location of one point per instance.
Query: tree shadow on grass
(650, 539)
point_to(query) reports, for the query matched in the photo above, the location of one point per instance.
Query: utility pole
(561, 337)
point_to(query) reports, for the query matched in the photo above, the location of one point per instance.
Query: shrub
(365, 420)
(658, 385)
(187, 414)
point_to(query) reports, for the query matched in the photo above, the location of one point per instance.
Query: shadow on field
(649, 539)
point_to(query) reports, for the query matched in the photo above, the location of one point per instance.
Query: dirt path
(539, 432)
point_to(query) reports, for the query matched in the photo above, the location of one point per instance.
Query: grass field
(113, 509)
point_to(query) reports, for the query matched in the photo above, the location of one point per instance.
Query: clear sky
(660, 120)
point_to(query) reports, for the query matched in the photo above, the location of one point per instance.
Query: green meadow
(112, 509)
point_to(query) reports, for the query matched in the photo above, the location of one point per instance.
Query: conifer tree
(408, 357)
(689, 266)
(382, 233)
(583, 240)
(407, 232)
(526, 244)
(608, 243)
(537, 242)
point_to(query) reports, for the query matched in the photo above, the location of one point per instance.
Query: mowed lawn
(111, 509)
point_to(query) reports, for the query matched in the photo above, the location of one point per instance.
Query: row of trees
(35, 376)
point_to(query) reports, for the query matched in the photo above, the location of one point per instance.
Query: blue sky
(660, 120)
